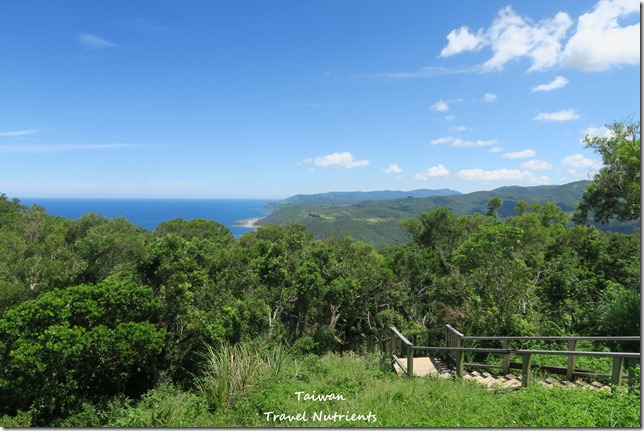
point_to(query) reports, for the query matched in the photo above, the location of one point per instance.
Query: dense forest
(375, 217)
(94, 309)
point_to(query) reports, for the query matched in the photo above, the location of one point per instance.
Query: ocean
(148, 213)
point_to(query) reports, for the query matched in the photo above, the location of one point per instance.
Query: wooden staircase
(424, 366)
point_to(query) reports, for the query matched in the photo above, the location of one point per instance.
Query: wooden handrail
(553, 338)
(454, 341)
(628, 355)
(397, 333)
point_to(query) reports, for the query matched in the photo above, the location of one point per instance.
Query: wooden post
(410, 361)
(393, 342)
(506, 358)
(459, 362)
(572, 346)
(617, 371)
(527, 369)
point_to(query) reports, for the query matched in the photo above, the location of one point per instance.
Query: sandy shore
(251, 223)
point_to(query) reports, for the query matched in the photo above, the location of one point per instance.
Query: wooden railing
(454, 349)
(508, 342)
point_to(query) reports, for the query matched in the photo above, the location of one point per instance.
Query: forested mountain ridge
(354, 197)
(377, 222)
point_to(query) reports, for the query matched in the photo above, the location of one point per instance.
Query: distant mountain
(378, 221)
(354, 197)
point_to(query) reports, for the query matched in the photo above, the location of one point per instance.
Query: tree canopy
(615, 190)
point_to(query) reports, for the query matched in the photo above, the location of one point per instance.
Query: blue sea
(148, 213)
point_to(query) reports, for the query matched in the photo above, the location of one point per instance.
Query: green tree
(493, 206)
(615, 190)
(76, 344)
(107, 247)
(195, 229)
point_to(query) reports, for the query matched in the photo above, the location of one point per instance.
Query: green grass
(252, 386)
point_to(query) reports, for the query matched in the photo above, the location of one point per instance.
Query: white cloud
(460, 128)
(440, 106)
(489, 97)
(435, 171)
(536, 165)
(566, 115)
(478, 143)
(458, 142)
(578, 161)
(495, 149)
(445, 140)
(58, 148)
(558, 82)
(600, 132)
(393, 169)
(600, 42)
(450, 118)
(519, 154)
(94, 42)
(462, 39)
(336, 160)
(500, 174)
(11, 133)
(511, 36)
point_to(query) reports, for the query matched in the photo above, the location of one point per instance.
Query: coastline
(249, 223)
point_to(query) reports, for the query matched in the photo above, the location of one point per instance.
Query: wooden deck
(426, 366)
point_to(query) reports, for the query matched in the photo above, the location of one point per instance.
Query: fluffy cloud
(393, 169)
(558, 82)
(337, 160)
(462, 39)
(435, 171)
(578, 161)
(489, 97)
(566, 115)
(440, 106)
(600, 42)
(458, 142)
(536, 165)
(600, 132)
(519, 154)
(511, 36)
(445, 140)
(499, 174)
(94, 42)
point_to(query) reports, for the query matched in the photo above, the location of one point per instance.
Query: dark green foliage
(195, 229)
(94, 312)
(79, 343)
(107, 248)
(615, 190)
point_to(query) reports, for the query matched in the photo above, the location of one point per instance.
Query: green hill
(354, 197)
(377, 222)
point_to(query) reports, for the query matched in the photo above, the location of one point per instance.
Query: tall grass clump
(231, 371)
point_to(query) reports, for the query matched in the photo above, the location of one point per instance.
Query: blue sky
(266, 99)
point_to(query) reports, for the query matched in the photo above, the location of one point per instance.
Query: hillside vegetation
(377, 221)
(105, 324)
(95, 312)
